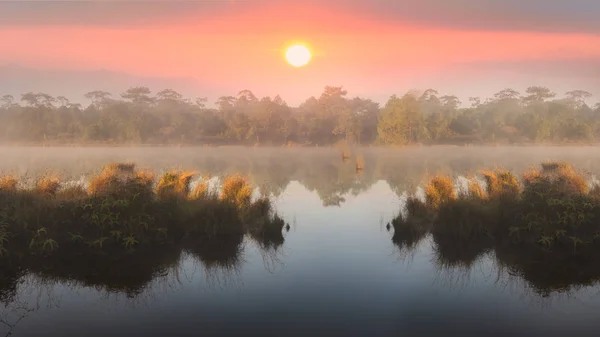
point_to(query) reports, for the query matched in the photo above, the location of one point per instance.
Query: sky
(374, 48)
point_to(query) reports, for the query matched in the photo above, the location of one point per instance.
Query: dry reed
(439, 190)
(174, 184)
(237, 190)
(8, 183)
(47, 186)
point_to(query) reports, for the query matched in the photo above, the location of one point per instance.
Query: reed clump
(8, 183)
(439, 190)
(475, 190)
(509, 184)
(560, 179)
(501, 184)
(174, 184)
(47, 186)
(202, 189)
(121, 180)
(236, 190)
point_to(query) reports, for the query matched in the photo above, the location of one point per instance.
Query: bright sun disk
(298, 55)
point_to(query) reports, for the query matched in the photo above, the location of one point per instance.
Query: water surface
(338, 272)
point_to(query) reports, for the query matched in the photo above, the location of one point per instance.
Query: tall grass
(8, 183)
(236, 190)
(174, 184)
(121, 180)
(48, 186)
(475, 190)
(201, 190)
(439, 190)
(501, 184)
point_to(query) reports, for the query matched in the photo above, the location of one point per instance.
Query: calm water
(338, 273)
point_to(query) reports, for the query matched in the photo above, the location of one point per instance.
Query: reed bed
(124, 209)
(127, 228)
(550, 213)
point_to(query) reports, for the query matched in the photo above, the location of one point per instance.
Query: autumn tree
(401, 121)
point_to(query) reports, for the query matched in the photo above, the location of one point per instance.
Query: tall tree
(401, 121)
(168, 95)
(506, 94)
(139, 95)
(99, 98)
(38, 100)
(578, 97)
(537, 94)
(7, 101)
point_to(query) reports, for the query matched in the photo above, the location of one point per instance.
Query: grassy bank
(543, 225)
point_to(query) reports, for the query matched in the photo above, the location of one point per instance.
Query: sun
(298, 55)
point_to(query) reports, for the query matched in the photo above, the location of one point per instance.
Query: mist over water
(337, 272)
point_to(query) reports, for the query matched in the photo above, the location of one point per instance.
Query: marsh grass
(237, 190)
(8, 183)
(466, 219)
(202, 189)
(595, 191)
(553, 207)
(121, 180)
(475, 190)
(71, 193)
(121, 211)
(439, 190)
(560, 179)
(174, 184)
(551, 213)
(500, 183)
(124, 231)
(47, 186)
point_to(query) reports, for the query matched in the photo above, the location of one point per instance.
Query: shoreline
(332, 146)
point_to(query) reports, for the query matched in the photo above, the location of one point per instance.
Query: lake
(337, 273)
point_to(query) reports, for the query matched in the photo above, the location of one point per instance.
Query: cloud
(587, 69)
(529, 15)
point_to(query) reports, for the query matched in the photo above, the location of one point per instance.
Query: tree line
(138, 116)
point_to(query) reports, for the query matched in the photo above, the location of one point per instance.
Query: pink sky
(243, 49)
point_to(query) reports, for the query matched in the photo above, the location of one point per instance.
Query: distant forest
(140, 117)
